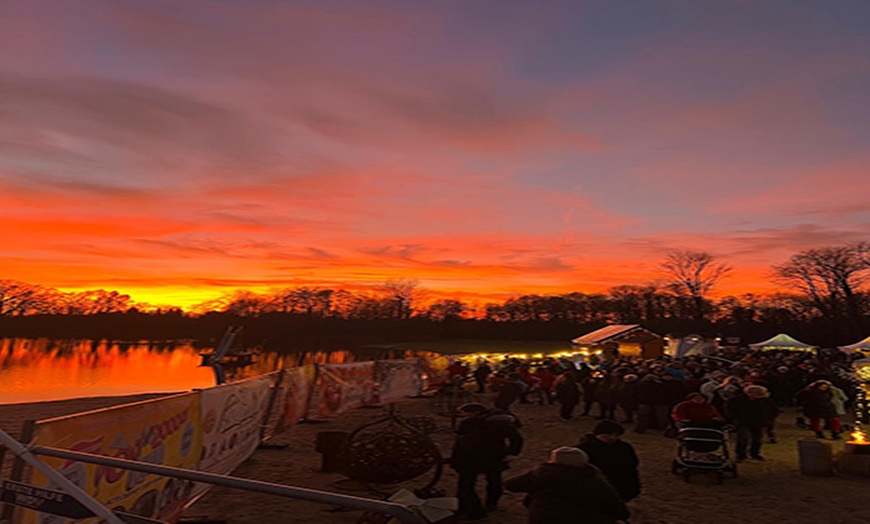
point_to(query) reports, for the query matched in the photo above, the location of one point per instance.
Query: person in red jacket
(458, 371)
(545, 385)
(695, 411)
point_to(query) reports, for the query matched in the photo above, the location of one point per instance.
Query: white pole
(65, 484)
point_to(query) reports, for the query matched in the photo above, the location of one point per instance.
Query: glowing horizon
(178, 150)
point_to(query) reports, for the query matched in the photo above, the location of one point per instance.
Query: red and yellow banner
(163, 431)
(295, 394)
(342, 387)
(435, 372)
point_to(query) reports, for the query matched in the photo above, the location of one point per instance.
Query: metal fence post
(403, 513)
(271, 404)
(28, 428)
(55, 476)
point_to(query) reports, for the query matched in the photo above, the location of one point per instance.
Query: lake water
(34, 370)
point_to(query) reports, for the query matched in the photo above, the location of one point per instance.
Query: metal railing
(403, 513)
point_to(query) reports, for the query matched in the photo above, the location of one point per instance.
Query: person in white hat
(751, 412)
(567, 490)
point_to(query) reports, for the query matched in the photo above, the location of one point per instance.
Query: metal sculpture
(390, 451)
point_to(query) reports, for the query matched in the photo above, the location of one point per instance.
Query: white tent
(857, 347)
(782, 342)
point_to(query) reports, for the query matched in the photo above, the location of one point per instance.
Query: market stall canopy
(861, 346)
(782, 342)
(623, 339)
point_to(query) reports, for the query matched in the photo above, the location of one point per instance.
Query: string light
(861, 405)
(862, 370)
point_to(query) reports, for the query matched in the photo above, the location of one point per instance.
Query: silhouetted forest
(292, 331)
(824, 302)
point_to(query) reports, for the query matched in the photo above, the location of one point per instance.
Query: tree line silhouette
(824, 300)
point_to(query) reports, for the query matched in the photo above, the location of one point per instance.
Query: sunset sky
(176, 150)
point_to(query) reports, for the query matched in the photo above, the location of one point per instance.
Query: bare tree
(692, 275)
(831, 277)
(447, 309)
(21, 298)
(240, 302)
(402, 294)
(634, 304)
(305, 300)
(96, 301)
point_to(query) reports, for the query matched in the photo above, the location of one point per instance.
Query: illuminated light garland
(861, 405)
(862, 370)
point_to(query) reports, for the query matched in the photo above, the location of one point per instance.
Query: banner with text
(295, 394)
(398, 379)
(342, 387)
(162, 431)
(231, 419)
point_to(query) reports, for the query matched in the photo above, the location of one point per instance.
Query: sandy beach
(769, 492)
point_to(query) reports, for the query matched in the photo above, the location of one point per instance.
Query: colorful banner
(398, 379)
(295, 394)
(232, 415)
(342, 387)
(162, 431)
(435, 372)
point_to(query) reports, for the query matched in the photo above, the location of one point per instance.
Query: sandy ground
(767, 492)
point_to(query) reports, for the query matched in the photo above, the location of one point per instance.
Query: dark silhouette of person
(567, 490)
(486, 440)
(616, 458)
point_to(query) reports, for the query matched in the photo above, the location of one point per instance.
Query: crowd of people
(744, 393)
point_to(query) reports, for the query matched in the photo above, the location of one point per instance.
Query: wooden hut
(628, 340)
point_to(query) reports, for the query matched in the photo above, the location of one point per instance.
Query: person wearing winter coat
(486, 440)
(654, 407)
(729, 388)
(695, 411)
(567, 490)
(713, 381)
(751, 412)
(589, 385)
(545, 385)
(605, 394)
(481, 374)
(509, 390)
(615, 458)
(784, 383)
(568, 394)
(626, 396)
(817, 403)
(839, 400)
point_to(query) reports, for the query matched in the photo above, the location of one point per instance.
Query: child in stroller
(703, 450)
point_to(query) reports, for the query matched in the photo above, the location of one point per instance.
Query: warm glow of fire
(858, 437)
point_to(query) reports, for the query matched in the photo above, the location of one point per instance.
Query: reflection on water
(42, 369)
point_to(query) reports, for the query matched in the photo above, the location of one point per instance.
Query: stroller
(703, 450)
